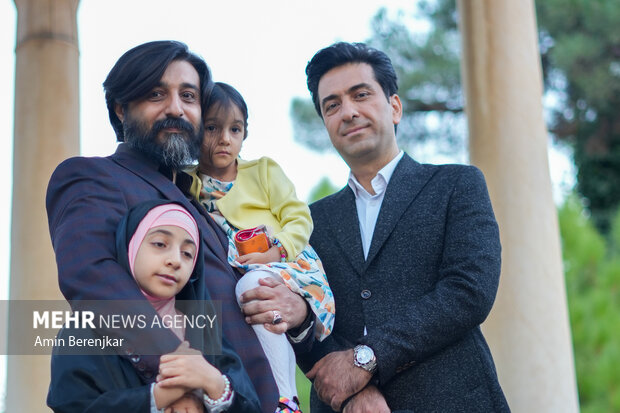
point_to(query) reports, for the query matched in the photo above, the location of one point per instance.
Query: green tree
(580, 50)
(322, 189)
(592, 269)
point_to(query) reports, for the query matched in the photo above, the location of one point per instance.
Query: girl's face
(224, 133)
(165, 261)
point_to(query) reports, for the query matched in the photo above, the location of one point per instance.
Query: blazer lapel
(148, 172)
(344, 224)
(406, 182)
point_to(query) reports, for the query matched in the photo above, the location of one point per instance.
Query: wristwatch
(364, 357)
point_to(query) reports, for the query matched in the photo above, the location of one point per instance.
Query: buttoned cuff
(301, 336)
(300, 333)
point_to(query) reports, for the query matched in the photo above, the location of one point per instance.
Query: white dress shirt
(368, 205)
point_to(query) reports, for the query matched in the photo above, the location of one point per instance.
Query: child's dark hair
(225, 96)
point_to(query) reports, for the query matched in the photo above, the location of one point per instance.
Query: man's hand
(189, 403)
(259, 304)
(369, 400)
(336, 378)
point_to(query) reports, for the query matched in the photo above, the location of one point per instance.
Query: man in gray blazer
(412, 254)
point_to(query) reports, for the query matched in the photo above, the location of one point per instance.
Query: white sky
(260, 47)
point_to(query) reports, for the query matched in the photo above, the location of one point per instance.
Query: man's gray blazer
(428, 282)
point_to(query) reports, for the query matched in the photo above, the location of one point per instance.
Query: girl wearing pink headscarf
(159, 242)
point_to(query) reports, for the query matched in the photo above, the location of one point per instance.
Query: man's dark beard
(177, 151)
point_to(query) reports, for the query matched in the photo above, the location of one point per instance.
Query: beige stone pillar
(528, 329)
(46, 132)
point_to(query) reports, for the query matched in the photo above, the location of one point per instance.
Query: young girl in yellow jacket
(243, 194)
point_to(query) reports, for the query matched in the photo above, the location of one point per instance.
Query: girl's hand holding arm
(166, 396)
(187, 368)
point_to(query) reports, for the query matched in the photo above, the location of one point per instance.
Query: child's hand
(189, 403)
(271, 255)
(187, 368)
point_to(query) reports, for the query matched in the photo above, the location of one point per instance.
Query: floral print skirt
(304, 275)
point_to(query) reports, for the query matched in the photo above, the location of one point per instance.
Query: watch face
(364, 355)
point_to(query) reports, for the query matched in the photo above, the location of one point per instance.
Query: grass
(303, 390)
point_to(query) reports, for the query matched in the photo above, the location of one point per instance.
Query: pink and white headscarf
(167, 214)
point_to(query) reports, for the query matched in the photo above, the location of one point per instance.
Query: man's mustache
(172, 123)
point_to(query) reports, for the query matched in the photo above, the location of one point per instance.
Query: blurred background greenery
(579, 42)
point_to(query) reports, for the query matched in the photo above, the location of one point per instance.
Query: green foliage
(578, 235)
(593, 290)
(308, 126)
(427, 66)
(303, 390)
(580, 48)
(614, 235)
(322, 189)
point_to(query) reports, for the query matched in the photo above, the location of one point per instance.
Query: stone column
(528, 329)
(46, 132)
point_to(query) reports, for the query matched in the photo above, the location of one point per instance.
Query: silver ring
(277, 318)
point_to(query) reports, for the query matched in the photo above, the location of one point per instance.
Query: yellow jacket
(262, 194)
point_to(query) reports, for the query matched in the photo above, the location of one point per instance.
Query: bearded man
(153, 94)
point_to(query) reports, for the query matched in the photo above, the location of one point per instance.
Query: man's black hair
(342, 53)
(140, 69)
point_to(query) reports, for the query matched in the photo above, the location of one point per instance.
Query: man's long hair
(140, 69)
